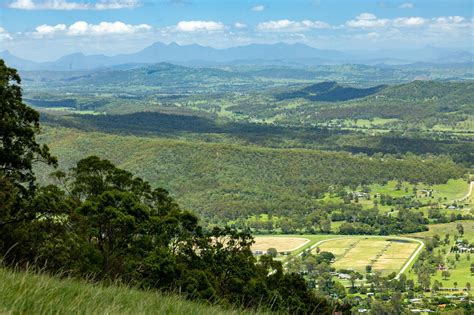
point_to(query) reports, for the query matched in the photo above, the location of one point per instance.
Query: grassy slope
(460, 273)
(449, 228)
(447, 193)
(28, 293)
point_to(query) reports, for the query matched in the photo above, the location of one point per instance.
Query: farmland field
(295, 243)
(386, 255)
(280, 243)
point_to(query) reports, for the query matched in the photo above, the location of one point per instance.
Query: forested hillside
(227, 181)
(330, 92)
(188, 126)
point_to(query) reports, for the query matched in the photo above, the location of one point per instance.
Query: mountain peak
(73, 55)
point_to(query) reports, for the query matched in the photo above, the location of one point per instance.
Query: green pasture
(459, 269)
(449, 228)
(443, 194)
(460, 274)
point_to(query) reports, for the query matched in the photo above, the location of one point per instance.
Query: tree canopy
(18, 126)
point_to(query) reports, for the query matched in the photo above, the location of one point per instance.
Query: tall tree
(19, 125)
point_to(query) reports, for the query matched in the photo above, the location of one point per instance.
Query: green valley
(175, 188)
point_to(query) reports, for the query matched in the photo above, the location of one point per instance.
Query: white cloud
(66, 5)
(258, 8)
(49, 29)
(406, 5)
(451, 23)
(370, 21)
(4, 34)
(84, 28)
(197, 26)
(411, 21)
(366, 16)
(78, 28)
(22, 5)
(105, 28)
(373, 35)
(240, 25)
(449, 20)
(287, 25)
(367, 20)
(117, 4)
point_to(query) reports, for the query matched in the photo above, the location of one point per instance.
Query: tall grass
(26, 292)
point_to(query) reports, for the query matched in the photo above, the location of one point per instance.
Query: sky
(44, 30)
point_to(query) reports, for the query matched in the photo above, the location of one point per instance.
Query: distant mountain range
(259, 54)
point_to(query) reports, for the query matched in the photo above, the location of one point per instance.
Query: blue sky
(47, 29)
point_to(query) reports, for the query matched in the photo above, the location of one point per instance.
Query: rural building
(360, 195)
(343, 276)
(425, 192)
(442, 268)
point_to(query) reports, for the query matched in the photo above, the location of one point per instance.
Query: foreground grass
(29, 293)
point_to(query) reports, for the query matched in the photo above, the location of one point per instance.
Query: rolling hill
(330, 92)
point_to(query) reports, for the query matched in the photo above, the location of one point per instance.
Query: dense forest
(209, 130)
(227, 180)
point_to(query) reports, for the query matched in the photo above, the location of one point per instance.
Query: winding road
(468, 193)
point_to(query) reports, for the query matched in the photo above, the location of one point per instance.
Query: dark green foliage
(112, 226)
(418, 105)
(372, 222)
(224, 182)
(173, 126)
(330, 92)
(325, 257)
(18, 126)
